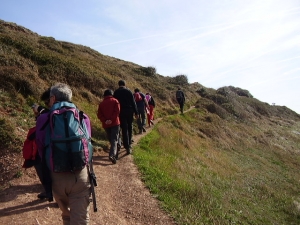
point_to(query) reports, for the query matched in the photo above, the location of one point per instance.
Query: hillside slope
(228, 121)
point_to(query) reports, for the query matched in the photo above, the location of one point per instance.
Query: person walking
(180, 98)
(71, 190)
(128, 109)
(40, 167)
(150, 112)
(141, 104)
(108, 114)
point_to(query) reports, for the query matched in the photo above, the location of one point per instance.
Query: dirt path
(122, 198)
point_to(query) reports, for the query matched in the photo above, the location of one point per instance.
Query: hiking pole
(93, 182)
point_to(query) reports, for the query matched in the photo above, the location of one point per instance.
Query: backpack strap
(46, 123)
(68, 143)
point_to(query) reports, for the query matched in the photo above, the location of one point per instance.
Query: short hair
(46, 95)
(108, 92)
(121, 83)
(136, 90)
(61, 91)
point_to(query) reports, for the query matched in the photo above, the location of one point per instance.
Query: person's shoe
(132, 140)
(129, 151)
(144, 130)
(113, 159)
(50, 199)
(42, 195)
(47, 196)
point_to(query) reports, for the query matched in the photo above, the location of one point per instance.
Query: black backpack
(179, 94)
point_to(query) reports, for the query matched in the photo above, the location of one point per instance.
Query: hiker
(180, 98)
(108, 114)
(150, 112)
(71, 190)
(141, 104)
(36, 160)
(127, 110)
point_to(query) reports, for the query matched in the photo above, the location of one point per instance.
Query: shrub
(149, 71)
(179, 80)
(202, 92)
(216, 109)
(240, 91)
(218, 99)
(6, 134)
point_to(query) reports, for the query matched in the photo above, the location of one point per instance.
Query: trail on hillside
(122, 198)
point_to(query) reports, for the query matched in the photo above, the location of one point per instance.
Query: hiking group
(59, 146)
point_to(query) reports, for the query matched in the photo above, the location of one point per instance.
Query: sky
(250, 44)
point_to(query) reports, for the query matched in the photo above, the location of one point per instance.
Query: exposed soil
(122, 198)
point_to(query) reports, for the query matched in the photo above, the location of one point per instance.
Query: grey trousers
(113, 137)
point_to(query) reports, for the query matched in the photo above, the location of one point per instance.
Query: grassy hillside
(210, 170)
(231, 160)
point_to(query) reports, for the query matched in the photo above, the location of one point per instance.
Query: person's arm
(116, 111)
(146, 102)
(135, 110)
(100, 114)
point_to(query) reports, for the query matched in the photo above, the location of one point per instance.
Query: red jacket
(109, 109)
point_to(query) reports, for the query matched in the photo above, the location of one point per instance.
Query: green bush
(179, 80)
(6, 133)
(149, 71)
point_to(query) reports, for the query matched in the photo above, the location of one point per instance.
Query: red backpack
(137, 97)
(29, 146)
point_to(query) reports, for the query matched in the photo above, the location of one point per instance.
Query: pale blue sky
(251, 44)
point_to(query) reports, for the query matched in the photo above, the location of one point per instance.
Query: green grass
(199, 183)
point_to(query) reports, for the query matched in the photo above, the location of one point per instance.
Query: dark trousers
(181, 104)
(126, 120)
(45, 177)
(141, 120)
(113, 136)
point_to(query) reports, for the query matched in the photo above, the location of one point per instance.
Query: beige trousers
(71, 192)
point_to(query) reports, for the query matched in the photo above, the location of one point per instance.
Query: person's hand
(108, 122)
(35, 109)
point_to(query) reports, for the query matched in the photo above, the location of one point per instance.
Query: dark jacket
(180, 95)
(109, 109)
(150, 100)
(126, 100)
(141, 104)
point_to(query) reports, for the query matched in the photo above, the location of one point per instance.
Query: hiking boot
(113, 159)
(129, 151)
(45, 195)
(144, 130)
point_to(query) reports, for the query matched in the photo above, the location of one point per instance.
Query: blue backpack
(68, 145)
